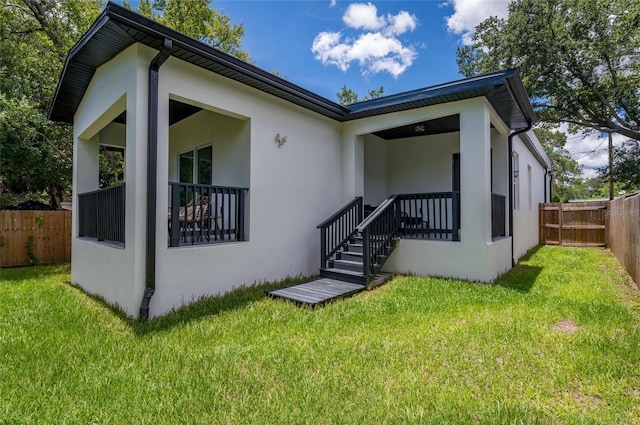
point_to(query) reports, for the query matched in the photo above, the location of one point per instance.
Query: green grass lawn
(556, 340)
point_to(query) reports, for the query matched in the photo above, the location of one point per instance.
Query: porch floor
(316, 292)
(428, 236)
(201, 240)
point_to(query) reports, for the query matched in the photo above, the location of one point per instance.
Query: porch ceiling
(118, 28)
(441, 125)
(177, 112)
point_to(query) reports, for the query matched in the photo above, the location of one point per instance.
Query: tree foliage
(579, 60)
(35, 154)
(346, 96)
(197, 19)
(565, 170)
(35, 36)
(626, 167)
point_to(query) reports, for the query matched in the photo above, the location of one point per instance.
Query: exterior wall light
(280, 140)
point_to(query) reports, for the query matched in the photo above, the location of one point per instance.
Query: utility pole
(610, 167)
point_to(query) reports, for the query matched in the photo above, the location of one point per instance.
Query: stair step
(354, 266)
(350, 256)
(343, 275)
(352, 247)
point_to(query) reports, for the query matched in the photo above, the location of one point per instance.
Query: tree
(35, 154)
(626, 167)
(579, 60)
(346, 96)
(565, 170)
(197, 19)
(35, 36)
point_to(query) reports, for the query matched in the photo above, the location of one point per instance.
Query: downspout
(544, 183)
(152, 176)
(510, 148)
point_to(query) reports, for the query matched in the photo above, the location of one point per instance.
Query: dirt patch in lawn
(567, 326)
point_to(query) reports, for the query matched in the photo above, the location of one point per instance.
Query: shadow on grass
(199, 308)
(23, 274)
(533, 251)
(522, 277)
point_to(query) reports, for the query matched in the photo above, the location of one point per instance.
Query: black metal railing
(498, 215)
(430, 215)
(336, 231)
(420, 215)
(200, 213)
(378, 231)
(102, 214)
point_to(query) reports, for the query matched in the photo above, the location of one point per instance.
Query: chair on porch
(195, 218)
(414, 225)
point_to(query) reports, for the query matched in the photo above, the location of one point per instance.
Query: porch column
(352, 167)
(475, 173)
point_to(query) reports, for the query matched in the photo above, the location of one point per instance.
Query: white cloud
(590, 151)
(330, 51)
(333, 3)
(469, 13)
(363, 16)
(401, 23)
(376, 49)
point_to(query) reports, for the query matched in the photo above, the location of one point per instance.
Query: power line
(590, 152)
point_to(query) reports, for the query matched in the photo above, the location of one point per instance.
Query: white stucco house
(229, 170)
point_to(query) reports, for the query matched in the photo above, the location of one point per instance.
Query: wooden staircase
(347, 264)
(353, 250)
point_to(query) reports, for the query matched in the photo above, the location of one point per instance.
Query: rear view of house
(229, 170)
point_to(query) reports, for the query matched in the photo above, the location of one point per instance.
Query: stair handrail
(333, 237)
(384, 224)
(340, 212)
(379, 210)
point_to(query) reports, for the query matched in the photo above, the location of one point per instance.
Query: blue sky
(322, 45)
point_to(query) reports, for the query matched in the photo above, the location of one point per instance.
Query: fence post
(560, 214)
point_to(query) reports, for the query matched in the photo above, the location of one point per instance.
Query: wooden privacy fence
(30, 237)
(624, 233)
(574, 224)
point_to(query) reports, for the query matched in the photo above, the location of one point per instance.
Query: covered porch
(421, 163)
(447, 166)
(207, 199)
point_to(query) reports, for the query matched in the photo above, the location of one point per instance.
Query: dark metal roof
(118, 28)
(503, 89)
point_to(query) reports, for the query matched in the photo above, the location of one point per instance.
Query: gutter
(152, 176)
(510, 149)
(544, 183)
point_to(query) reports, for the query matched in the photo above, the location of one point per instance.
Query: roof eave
(98, 23)
(520, 96)
(121, 15)
(536, 149)
(135, 26)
